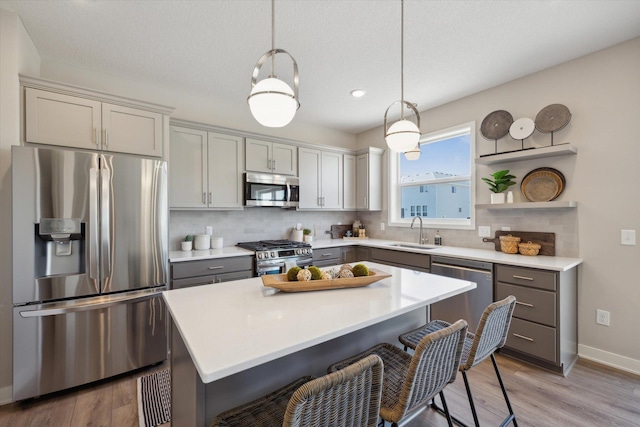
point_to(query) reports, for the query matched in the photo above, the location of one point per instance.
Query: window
(440, 183)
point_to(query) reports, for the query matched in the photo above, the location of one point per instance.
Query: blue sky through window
(446, 156)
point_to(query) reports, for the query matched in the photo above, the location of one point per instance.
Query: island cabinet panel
(544, 326)
(194, 273)
(414, 261)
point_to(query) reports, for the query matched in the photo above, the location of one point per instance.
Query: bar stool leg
(446, 409)
(511, 416)
(473, 406)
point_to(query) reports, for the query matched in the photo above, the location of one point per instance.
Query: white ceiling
(452, 48)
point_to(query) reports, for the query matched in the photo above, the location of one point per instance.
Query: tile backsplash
(252, 224)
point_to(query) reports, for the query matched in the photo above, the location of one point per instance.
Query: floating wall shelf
(534, 153)
(530, 205)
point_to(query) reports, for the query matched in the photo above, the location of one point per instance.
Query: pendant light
(413, 154)
(403, 135)
(272, 102)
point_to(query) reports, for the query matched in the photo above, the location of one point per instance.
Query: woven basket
(529, 248)
(509, 244)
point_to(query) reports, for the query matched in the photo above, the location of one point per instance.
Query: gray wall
(602, 91)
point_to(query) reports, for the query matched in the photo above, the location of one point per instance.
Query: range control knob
(259, 255)
(298, 251)
(273, 254)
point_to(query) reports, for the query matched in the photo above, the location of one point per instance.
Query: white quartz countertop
(234, 326)
(225, 252)
(543, 262)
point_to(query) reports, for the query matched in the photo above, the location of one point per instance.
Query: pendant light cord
(402, 59)
(273, 38)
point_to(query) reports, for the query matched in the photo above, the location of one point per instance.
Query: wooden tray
(547, 241)
(279, 281)
(338, 231)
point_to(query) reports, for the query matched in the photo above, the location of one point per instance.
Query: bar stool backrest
(434, 364)
(346, 398)
(491, 333)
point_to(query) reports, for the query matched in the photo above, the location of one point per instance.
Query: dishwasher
(469, 305)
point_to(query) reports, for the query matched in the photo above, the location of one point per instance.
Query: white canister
(201, 242)
(296, 235)
(216, 242)
(186, 246)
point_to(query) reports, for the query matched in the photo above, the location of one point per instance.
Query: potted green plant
(501, 181)
(307, 235)
(187, 243)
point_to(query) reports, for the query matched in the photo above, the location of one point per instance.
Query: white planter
(186, 246)
(497, 198)
(308, 238)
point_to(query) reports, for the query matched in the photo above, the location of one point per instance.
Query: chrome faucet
(422, 239)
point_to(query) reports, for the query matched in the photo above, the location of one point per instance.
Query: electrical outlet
(506, 228)
(628, 237)
(603, 317)
(484, 231)
(382, 226)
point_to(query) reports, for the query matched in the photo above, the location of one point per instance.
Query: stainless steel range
(277, 256)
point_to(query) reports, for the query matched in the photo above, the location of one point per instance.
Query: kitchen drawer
(401, 258)
(206, 267)
(527, 277)
(192, 281)
(327, 254)
(531, 304)
(532, 338)
(236, 275)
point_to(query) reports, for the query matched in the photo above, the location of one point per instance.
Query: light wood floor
(592, 395)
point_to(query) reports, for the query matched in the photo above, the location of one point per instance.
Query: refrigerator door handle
(93, 223)
(54, 309)
(105, 222)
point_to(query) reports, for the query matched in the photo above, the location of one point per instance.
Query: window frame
(394, 215)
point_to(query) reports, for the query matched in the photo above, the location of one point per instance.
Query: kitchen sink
(414, 246)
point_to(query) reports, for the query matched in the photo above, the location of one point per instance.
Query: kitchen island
(233, 342)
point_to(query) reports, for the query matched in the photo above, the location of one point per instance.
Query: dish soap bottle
(437, 239)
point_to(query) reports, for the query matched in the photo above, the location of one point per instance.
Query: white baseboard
(610, 359)
(6, 395)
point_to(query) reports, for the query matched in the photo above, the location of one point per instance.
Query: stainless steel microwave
(262, 189)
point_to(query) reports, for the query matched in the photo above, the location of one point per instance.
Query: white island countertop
(230, 327)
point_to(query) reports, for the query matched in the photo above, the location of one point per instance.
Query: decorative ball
(346, 274)
(360, 270)
(346, 267)
(335, 273)
(326, 276)
(316, 273)
(304, 275)
(292, 274)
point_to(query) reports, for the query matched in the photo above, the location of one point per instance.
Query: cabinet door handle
(218, 267)
(95, 136)
(106, 138)
(273, 164)
(523, 337)
(526, 304)
(204, 198)
(209, 197)
(269, 164)
(325, 255)
(522, 277)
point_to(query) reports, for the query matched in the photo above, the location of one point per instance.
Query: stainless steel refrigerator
(90, 257)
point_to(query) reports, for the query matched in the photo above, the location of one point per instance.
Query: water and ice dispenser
(59, 247)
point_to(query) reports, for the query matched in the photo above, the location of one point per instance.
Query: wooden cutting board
(547, 241)
(338, 231)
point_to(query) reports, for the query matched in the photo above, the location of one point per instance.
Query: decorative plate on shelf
(496, 124)
(522, 128)
(279, 281)
(552, 118)
(542, 185)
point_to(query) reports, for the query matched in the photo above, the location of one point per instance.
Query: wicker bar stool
(346, 398)
(411, 381)
(489, 337)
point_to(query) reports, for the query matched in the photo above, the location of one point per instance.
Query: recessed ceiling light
(358, 93)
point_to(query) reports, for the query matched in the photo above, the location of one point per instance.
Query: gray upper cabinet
(320, 179)
(369, 179)
(271, 157)
(72, 121)
(205, 169)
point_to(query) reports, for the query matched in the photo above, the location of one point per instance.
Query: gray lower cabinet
(204, 272)
(327, 257)
(544, 326)
(419, 262)
(349, 254)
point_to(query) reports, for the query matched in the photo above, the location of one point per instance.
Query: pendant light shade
(273, 102)
(403, 135)
(413, 154)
